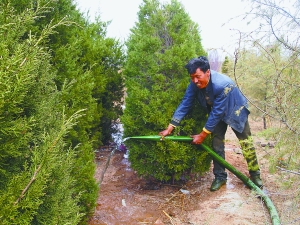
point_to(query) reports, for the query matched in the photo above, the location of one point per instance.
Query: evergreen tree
(34, 160)
(88, 66)
(225, 65)
(160, 44)
(54, 61)
(88, 61)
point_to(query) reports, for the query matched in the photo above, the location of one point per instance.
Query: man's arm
(183, 108)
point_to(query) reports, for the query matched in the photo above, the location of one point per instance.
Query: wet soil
(126, 199)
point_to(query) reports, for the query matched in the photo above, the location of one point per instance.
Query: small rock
(237, 150)
(186, 192)
(271, 145)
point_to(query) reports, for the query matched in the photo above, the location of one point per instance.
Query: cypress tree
(225, 65)
(35, 164)
(87, 65)
(160, 44)
(53, 64)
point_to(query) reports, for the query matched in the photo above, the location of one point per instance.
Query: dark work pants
(246, 142)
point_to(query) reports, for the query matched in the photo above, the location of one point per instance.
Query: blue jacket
(227, 103)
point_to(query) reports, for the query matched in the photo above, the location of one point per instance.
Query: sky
(218, 20)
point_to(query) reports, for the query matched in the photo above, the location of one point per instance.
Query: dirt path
(125, 198)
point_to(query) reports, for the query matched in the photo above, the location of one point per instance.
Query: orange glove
(199, 138)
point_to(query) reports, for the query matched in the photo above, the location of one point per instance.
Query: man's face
(200, 78)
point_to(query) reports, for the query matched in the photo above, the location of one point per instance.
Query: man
(226, 106)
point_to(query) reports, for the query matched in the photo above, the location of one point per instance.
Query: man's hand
(198, 138)
(167, 131)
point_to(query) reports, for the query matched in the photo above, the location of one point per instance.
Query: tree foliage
(61, 91)
(160, 44)
(32, 147)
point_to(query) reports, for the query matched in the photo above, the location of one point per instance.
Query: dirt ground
(126, 199)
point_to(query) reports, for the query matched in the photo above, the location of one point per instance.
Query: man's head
(201, 62)
(199, 70)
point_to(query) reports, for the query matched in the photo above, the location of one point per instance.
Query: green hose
(272, 210)
(160, 138)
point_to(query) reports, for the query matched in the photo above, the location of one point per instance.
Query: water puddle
(126, 163)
